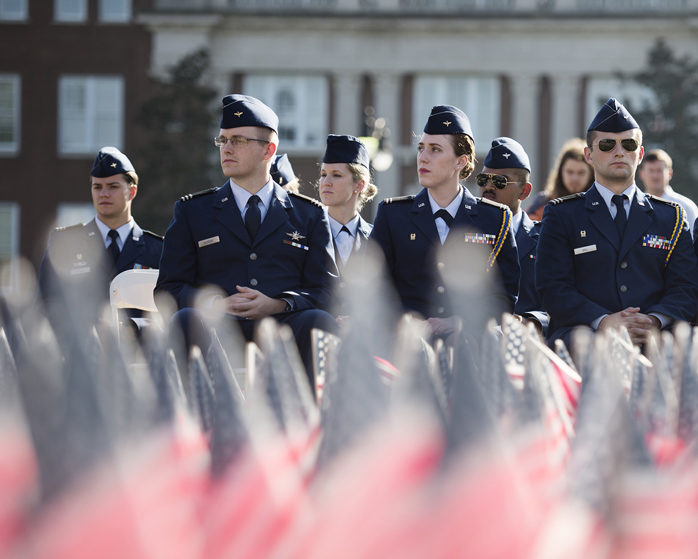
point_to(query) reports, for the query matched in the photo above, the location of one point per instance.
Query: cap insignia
(113, 164)
(238, 114)
(447, 123)
(506, 155)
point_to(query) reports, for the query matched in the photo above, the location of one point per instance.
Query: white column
(386, 88)
(348, 111)
(525, 94)
(564, 95)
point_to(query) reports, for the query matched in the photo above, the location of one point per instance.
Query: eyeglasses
(237, 141)
(628, 144)
(499, 181)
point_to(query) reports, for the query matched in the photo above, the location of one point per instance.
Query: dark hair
(571, 149)
(658, 155)
(464, 145)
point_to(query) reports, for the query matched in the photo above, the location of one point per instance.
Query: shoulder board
(493, 203)
(307, 199)
(408, 198)
(556, 201)
(69, 227)
(662, 200)
(197, 194)
(153, 234)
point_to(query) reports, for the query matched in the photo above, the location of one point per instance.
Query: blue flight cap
(281, 170)
(243, 110)
(109, 162)
(447, 119)
(506, 153)
(613, 117)
(346, 149)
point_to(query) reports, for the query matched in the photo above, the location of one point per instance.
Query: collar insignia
(582, 233)
(447, 123)
(296, 236)
(467, 207)
(238, 114)
(421, 205)
(594, 203)
(79, 256)
(224, 199)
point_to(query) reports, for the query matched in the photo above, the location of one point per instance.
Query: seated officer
(250, 249)
(614, 256)
(505, 179)
(412, 229)
(81, 260)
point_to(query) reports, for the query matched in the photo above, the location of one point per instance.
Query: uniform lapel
(363, 231)
(133, 247)
(228, 213)
(94, 245)
(276, 214)
(639, 219)
(601, 216)
(525, 237)
(423, 217)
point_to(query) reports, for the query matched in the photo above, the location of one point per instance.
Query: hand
(440, 326)
(250, 303)
(639, 325)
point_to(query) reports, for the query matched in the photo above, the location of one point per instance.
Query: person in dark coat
(615, 256)
(411, 230)
(249, 249)
(505, 179)
(81, 260)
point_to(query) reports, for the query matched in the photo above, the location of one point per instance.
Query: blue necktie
(253, 216)
(621, 218)
(113, 247)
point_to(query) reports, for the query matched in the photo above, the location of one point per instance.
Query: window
(302, 104)
(630, 93)
(9, 243)
(477, 96)
(70, 213)
(13, 10)
(114, 11)
(9, 114)
(70, 10)
(90, 113)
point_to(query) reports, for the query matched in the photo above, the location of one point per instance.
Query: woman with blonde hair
(570, 174)
(344, 187)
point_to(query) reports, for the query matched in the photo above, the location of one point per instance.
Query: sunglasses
(499, 181)
(628, 144)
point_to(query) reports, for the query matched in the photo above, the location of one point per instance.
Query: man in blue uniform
(505, 179)
(412, 229)
(250, 249)
(614, 256)
(81, 260)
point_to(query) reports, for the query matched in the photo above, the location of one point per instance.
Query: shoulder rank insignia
(197, 194)
(153, 234)
(556, 201)
(492, 203)
(408, 198)
(307, 199)
(662, 200)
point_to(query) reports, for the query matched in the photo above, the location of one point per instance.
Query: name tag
(79, 271)
(211, 241)
(582, 250)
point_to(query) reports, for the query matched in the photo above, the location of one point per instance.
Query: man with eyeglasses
(249, 249)
(614, 256)
(505, 179)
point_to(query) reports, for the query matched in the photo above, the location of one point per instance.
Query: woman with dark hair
(411, 229)
(570, 175)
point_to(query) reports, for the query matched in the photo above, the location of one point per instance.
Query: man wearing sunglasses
(505, 179)
(249, 249)
(614, 256)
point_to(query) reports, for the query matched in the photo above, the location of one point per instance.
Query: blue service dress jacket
(77, 264)
(529, 304)
(584, 270)
(406, 232)
(355, 261)
(207, 245)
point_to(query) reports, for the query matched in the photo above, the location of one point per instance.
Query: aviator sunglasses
(499, 181)
(628, 144)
